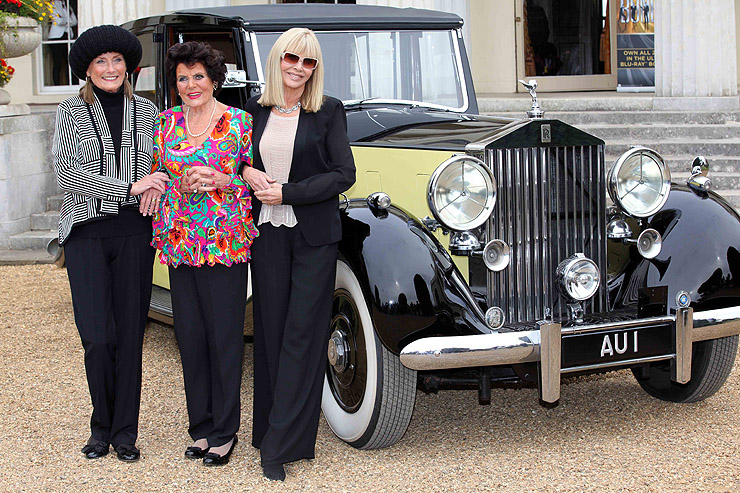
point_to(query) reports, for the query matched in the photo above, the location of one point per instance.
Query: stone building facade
(687, 55)
(695, 66)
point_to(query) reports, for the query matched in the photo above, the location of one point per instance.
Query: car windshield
(411, 67)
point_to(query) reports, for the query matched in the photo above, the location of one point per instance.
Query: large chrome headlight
(639, 182)
(462, 193)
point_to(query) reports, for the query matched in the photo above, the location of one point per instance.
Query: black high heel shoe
(95, 449)
(213, 459)
(127, 452)
(196, 452)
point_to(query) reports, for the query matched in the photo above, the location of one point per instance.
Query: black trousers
(111, 283)
(292, 297)
(208, 310)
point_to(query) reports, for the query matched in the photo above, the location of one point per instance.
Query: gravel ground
(606, 434)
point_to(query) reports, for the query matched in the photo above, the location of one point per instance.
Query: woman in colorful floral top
(204, 229)
(198, 225)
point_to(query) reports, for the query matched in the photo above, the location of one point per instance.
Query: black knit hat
(103, 39)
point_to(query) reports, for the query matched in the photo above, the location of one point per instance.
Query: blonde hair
(301, 41)
(87, 94)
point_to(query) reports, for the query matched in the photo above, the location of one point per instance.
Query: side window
(53, 64)
(144, 77)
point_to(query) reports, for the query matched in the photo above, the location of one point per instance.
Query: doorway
(567, 45)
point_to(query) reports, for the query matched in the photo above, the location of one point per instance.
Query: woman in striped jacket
(102, 155)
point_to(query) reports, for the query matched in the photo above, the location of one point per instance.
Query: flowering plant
(6, 72)
(12, 6)
(41, 10)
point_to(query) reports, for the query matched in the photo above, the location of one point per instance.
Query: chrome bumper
(543, 345)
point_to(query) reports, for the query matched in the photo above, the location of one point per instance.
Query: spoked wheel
(368, 395)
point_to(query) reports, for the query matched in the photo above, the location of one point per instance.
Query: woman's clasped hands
(265, 188)
(200, 179)
(151, 188)
(156, 181)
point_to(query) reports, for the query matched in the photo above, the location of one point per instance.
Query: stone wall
(26, 170)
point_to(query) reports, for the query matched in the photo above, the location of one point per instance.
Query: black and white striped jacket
(84, 158)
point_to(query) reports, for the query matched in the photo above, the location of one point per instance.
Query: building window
(53, 63)
(567, 37)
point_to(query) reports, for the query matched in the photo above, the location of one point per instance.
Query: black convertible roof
(327, 16)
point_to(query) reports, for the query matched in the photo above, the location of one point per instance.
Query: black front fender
(407, 276)
(700, 253)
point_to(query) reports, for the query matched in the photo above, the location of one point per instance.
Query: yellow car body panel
(161, 276)
(404, 175)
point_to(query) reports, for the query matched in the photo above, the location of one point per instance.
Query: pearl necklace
(288, 110)
(210, 120)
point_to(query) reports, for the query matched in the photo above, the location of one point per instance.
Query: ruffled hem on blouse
(197, 257)
(179, 245)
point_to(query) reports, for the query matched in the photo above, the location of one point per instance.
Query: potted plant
(19, 21)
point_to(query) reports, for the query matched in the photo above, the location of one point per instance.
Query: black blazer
(322, 168)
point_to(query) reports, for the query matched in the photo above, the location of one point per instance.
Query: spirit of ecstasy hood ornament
(536, 111)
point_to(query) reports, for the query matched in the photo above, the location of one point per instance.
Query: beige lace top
(276, 149)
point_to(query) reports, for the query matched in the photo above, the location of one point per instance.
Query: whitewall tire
(369, 395)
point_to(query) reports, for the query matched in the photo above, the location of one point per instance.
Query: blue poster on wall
(636, 46)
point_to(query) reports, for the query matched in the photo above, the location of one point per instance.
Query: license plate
(613, 346)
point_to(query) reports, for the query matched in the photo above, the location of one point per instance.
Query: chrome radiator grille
(551, 204)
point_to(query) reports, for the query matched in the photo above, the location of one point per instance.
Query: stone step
(732, 196)
(661, 132)
(721, 182)
(717, 163)
(671, 147)
(45, 220)
(25, 257)
(496, 104)
(579, 118)
(54, 203)
(32, 240)
(682, 162)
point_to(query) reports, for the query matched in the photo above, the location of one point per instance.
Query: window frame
(40, 68)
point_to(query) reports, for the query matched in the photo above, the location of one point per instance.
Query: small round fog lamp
(578, 277)
(495, 317)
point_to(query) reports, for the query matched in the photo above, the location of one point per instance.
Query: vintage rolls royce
(481, 252)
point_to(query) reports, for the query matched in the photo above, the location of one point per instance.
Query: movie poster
(636, 46)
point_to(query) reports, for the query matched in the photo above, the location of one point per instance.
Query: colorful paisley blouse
(205, 227)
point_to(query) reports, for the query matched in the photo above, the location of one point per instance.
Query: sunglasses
(293, 59)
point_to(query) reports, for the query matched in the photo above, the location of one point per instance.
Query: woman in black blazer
(301, 163)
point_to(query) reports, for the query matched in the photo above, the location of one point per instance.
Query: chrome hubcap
(338, 351)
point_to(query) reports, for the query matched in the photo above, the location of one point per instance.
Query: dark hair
(192, 52)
